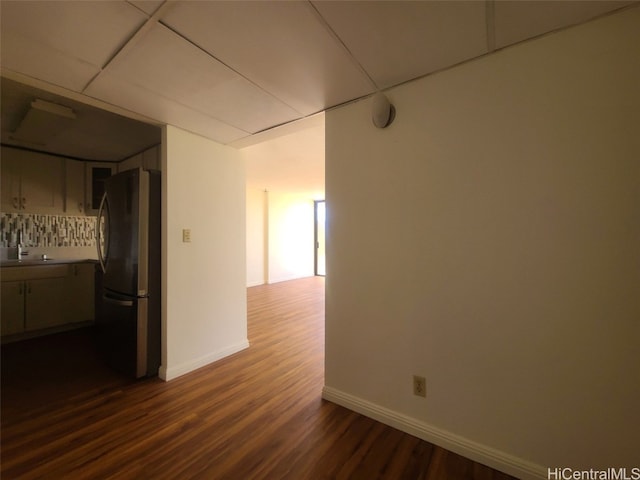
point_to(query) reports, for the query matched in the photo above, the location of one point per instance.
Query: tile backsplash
(47, 230)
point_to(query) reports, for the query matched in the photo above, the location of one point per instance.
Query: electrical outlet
(419, 386)
(186, 235)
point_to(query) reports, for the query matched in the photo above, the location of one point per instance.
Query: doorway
(319, 237)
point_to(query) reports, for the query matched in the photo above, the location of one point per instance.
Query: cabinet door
(32, 182)
(42, 183)
(45, 303)
(95, 175)
(74, 191)
(81, 293)
(151, 158)
(12, 307)
(130, 163)
(10, 173)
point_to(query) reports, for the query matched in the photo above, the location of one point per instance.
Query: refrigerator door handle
(117, 301)
(101, 257)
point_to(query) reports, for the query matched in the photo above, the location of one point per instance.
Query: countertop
(34, 262)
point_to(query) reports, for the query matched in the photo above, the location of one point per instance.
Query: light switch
(186, 235)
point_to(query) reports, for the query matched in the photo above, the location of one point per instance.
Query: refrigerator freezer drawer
(130, 344)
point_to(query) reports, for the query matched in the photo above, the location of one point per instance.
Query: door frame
(315, 236)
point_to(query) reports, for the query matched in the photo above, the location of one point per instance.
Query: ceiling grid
(228, 70)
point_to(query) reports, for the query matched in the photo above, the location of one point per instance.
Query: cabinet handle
(29, 287)
(16, 203)
(24, 202)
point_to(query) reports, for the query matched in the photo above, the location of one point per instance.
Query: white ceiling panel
(168, 65)
(120, 92)
(401, 40)
(147, 6)
(281, 46)
(522, 19)
(83, 32)
(229, 69)
(29, 57)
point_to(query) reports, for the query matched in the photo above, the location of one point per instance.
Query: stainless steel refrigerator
(128, 318)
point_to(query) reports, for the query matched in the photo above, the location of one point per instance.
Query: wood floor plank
(257, 414)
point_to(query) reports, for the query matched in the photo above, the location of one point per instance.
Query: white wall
(290, 168)
(489, 240)
(290, 237)
(279, 236)
(204, 293)
(257, 235)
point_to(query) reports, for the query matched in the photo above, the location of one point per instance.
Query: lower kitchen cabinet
(80, 293)
(45, 303)
(33, 304)
(12, 308)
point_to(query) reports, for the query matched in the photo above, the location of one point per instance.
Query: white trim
(170, 373)
(289, 278)
(477, 452)
(312, 121)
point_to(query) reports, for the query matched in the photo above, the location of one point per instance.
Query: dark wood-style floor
(255, 415)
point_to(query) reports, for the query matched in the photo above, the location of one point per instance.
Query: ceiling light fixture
(43, 123)
(53, 108)
(383, 112)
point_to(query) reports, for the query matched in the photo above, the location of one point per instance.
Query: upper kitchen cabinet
(148, 160)
(32, 182)
(130, 163)
(151, 158)
(95, 175)
(74, 188)
(10, 183)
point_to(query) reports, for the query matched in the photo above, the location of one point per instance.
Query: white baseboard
(289, 277)
(491, 457)
(176, 371)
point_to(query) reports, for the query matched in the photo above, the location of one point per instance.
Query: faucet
(21, 251)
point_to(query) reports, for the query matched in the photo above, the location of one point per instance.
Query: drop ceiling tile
(401, 40)
(518, 20)
(168, 65)
(65, 42)
(282, 46)
(26, 56)
(147, 6)
(123, 93)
